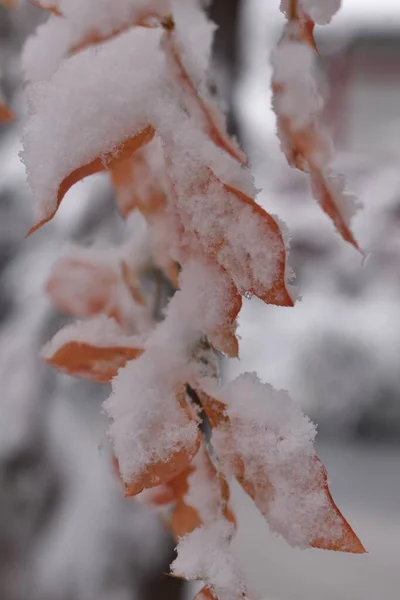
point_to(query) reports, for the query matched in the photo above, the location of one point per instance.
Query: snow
(321, 11)
(206, 554)
(204, 490)
(148, 423)
(101, 332)
(274, 440)
(304, 139)
(64, 132)
(37, 62)
(293, 64)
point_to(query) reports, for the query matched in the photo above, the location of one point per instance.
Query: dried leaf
(53, 9)
(97, 363)
(159, 473)
(138, 185)
(85, 288)
(149, 19)
(325, 195)
(211, 118)
(308, 147)
(224, 337)
(6, 114)
(201, 480)
(206, 593)
(184, 519)
(263, 493)
(107, 161)
(276, 293)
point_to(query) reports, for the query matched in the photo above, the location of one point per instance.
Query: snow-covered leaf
(262, 437)
(93, 349)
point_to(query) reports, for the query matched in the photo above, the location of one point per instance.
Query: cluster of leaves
(183, 186)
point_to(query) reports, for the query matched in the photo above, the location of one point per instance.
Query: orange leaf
(53, 9)
(201, 474)
(184, 519)
(301, 146)
(348, 542)
(159, 473)
(6, 114)
(149, 19)
(100, 364)
(99, 164)
(326, 198)
(260, 488)
(306, 30)
(222, 333)
(209, 115)
(277, 293)
(224, 337)
(84, 289)
(159, 495)
(206, 593)
(137, 185)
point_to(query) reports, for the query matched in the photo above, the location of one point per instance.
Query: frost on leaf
(206, 555)
(201, 495)
(262, 438)
(154, 430)
(298, 106)
(98, 164)
(227, 225)
(93, 349)
(208, 114)
(139, 181)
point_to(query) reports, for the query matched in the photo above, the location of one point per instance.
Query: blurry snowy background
(65, 532)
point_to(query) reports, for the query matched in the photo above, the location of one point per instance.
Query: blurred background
(65, 531)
